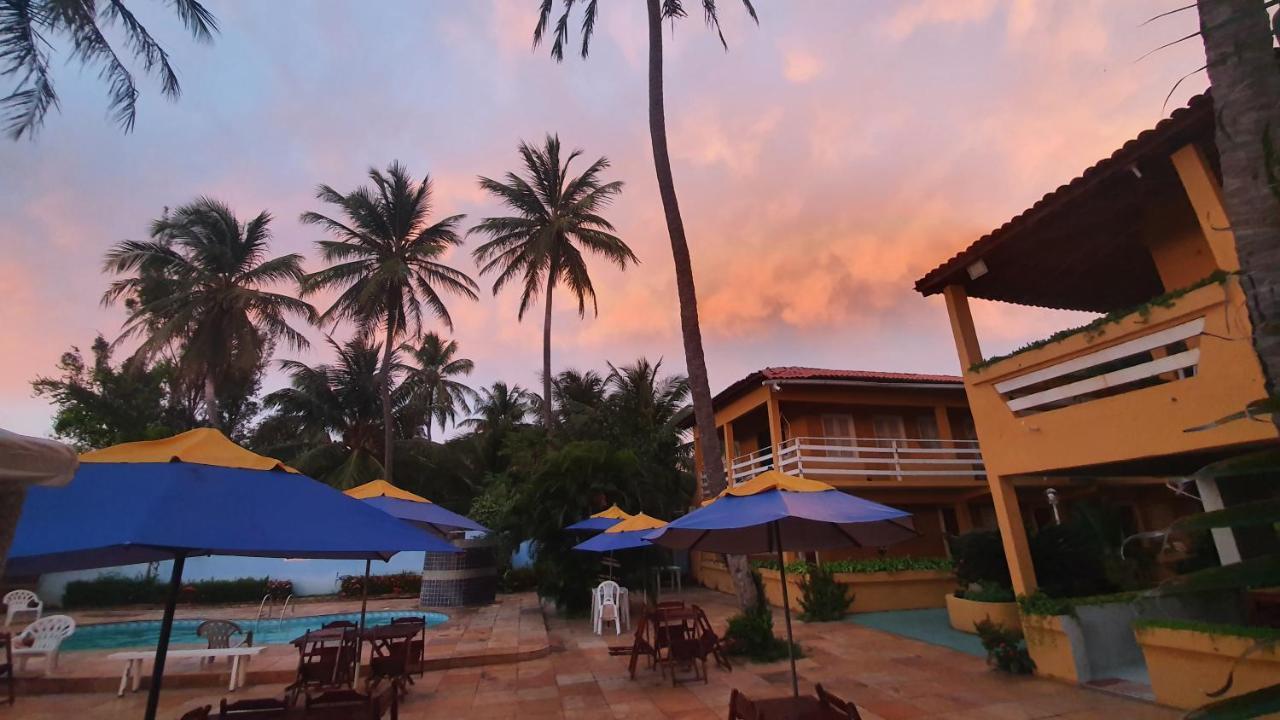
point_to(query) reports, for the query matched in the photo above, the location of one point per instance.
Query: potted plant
(984, 592)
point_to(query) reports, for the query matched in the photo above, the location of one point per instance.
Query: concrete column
(1014, 534)
(775, 429)
(962, 328)
(728, 452)
(964, 518)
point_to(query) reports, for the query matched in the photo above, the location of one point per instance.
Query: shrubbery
(401, 583)
(822, 598)
(1005, 650)
(116, 590)
(867, 565)
(750, 632)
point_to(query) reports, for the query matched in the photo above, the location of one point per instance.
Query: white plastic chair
(45, 637)
(22, 601)
(606, 607)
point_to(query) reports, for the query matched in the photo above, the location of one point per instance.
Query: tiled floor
(890, 678)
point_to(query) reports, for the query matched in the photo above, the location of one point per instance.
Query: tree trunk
(431, 410)
(11, 498)
(211, 402)
(695, 361)
(547, 417)
(388, 418)
(1246, 97)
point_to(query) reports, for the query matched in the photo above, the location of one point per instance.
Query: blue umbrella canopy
(412, 508)
(774, 512)
(602, 520)
(196, 493)
(625, 535)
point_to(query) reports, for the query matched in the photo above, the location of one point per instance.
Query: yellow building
(902, 439)
(1142, 238)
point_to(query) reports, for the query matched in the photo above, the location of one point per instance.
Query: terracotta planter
(1185, 664)
(874, 592)
(966, 614)
(1052, 641)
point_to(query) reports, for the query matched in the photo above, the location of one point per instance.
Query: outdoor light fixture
(976, 269)
(1052, 496)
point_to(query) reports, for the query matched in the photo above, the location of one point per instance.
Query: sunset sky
(835, 153)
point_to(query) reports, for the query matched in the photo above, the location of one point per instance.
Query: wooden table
(805, 707)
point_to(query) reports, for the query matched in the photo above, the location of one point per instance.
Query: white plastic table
(131, 677)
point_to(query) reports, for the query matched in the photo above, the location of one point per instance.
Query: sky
(835, 153)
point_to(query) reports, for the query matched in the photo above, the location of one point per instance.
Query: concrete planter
(966, 614)
(1052, 641)
(1185, 664)
(874, 592)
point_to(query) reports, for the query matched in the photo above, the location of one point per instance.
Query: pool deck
(889, 677)
(509, 631)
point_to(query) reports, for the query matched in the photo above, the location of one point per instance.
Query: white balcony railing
(870, 458)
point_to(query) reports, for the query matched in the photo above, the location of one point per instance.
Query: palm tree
(499, 407)
(695, 358)
(386, 262)
(200, 291)
(640, 393)
(328, 422)
(1246, 97)
(574, 391)
(557, 217)
(25, 30)
(431, 379)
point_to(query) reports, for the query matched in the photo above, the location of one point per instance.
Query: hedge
(402, 583)
(115, 590)
(870, 565)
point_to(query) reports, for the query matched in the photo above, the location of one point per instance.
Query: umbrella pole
(786, 609)
(364, 594)
(166, 629)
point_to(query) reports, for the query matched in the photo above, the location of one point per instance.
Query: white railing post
(897, 464)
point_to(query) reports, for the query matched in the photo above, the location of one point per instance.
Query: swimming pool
(146, 633)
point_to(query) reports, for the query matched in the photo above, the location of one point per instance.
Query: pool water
(146, 633)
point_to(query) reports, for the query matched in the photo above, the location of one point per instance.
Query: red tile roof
(1186, 124)
(808, 373)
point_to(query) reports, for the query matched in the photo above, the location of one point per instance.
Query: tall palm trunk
(211, 402)
(695, 360)
(388, 420)
(1246, 98)
(546, 350)
(431, 410)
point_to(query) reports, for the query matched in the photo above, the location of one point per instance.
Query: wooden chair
(6, 667)
(352, 705)
(641, 646)
(324, 665)
(835, 707)
(252, 709)
(339, 624)
(392, 665)
(711, 643)
(200, 713)
(417, 645)
(740, 708)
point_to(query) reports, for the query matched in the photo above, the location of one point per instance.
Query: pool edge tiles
(132, 634)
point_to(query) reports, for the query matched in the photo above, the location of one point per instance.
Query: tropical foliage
(387, 262)
(202, 293)
(27, 28)
(557, 217)
(430, 376)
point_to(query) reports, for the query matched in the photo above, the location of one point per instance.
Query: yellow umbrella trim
(639, 521)
(613, 512)
(202, 446)
(382, 488)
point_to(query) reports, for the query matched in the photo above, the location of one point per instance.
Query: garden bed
(965, 614)
(1186, 660)
(873, 591)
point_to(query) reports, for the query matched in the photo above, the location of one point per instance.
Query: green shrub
(1069, 561)
(979, 558)
(750, 632)
(822, 598)
(1245, 631)
(516, 580)
(1005, 650)
(1038, 603)
(868, 565)
(401, 583)
(115, 590)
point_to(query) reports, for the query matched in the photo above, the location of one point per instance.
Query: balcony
(873, 460)
(1124, 392)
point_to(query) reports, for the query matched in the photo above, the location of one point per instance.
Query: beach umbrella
(624, 535)
(411, 508)
(602, 520)
(773, 513)
(196, 494)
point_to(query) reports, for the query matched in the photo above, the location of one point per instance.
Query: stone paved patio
(890, 678)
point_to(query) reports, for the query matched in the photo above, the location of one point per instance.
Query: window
(888, 428)
(927, 430)
(838, 430)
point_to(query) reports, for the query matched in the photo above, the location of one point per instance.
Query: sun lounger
(131, 677)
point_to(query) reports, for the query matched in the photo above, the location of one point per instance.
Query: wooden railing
(1155, 358)
(872, 458)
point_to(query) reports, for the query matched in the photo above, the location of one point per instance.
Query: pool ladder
(266, 603)
(285, 608)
